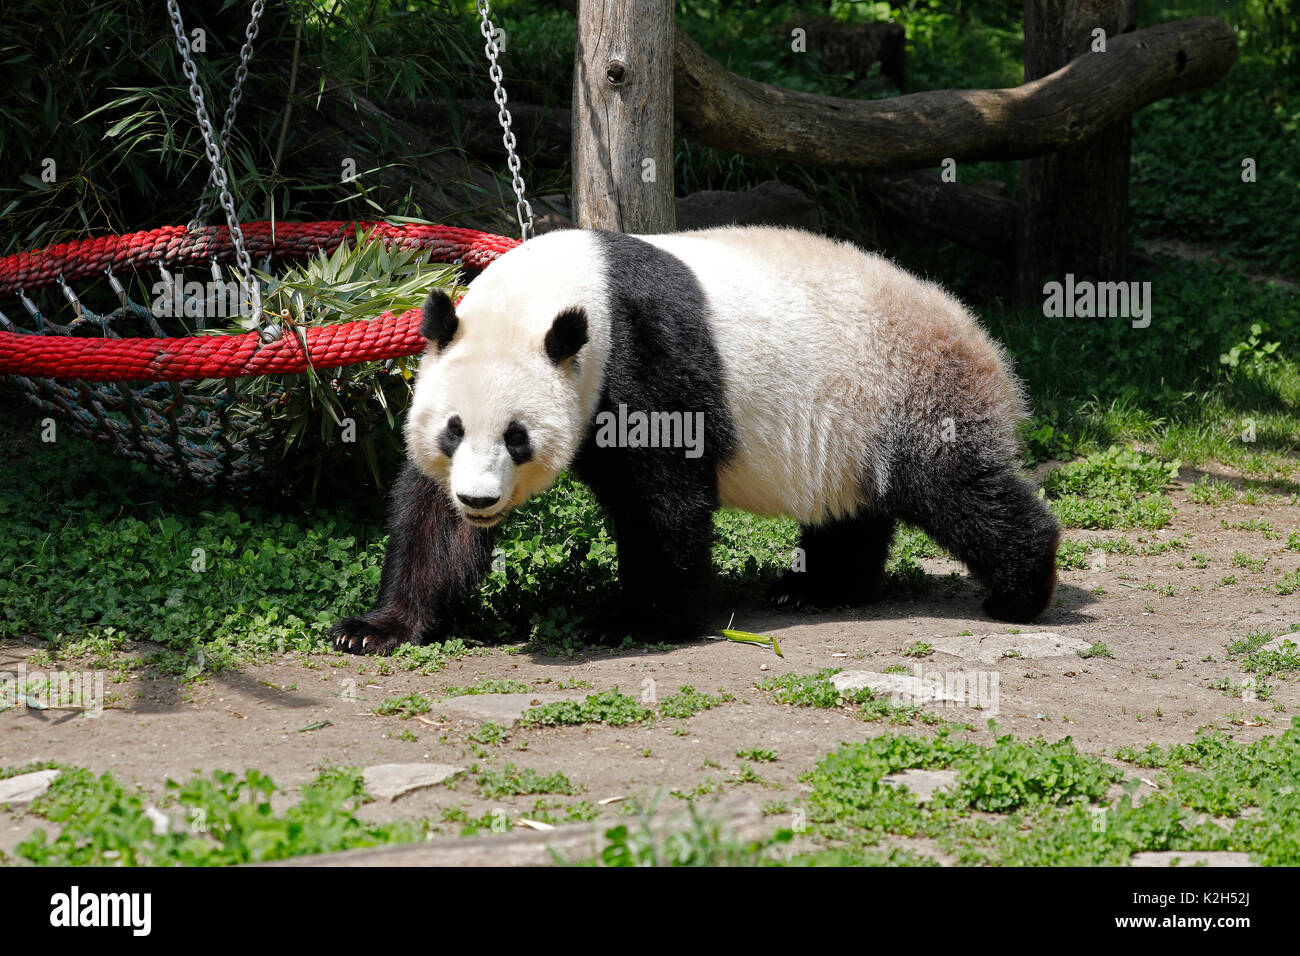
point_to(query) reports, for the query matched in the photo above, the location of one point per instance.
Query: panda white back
(821, 344)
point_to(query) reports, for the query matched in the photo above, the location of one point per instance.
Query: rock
(910, 690)
(1190, 858)
(503, 709)
(923, 783)
(391, 780)
(992, 648)
(26, 787)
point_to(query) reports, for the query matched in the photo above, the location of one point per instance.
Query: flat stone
(910, 690)
(503, 709)
(391, 780)
(924, 783)
(1276, 643)
(1190, 858)
(26, 787)
(992, 648)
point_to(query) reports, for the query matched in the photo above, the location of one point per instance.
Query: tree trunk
(1074, 202)
(623, 97)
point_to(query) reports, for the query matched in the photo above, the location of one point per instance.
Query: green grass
(1288, 583)
(216, 820)
(488, 686)
(405, 707)
(816, 690)
(1076, 555)
(1216, 128)
(1062, 797)
(1283, 662)
(608, 707)
(1117, 488)
(489, 733)
(512, 781)
(688, 702)
(1096, 649)
(1211, 491)
(803, 690)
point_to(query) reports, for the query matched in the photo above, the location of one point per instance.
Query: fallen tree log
(715, 107)
(972, 215)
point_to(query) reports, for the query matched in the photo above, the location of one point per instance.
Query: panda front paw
(356, 635)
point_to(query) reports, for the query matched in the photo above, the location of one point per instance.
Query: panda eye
(517, 443)
(451, 436)
(516, 434)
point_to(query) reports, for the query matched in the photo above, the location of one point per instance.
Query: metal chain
(523, 209)
(236, 91)
(213, 152)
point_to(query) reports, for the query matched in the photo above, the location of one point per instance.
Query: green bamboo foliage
(341, 423)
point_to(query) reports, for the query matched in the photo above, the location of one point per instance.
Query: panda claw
(356, 635)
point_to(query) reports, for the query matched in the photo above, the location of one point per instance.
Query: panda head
(499, 402)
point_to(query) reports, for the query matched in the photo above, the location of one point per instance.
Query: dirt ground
(1167, 651)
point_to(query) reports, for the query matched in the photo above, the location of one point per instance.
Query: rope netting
(168, 423)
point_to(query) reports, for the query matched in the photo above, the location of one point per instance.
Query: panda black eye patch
(517, 443)
(450, 438)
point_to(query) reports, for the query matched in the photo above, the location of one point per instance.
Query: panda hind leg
(995, 524)
(839, 564)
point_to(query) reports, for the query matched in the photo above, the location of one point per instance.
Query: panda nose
(478, 504)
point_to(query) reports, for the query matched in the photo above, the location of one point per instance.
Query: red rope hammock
(220, 356)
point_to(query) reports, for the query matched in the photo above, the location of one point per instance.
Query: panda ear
(440, 322)
(568, 333)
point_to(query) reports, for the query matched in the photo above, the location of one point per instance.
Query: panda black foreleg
(661, 513)
(838, 563)
(434, 560)
(994, 523)
(665, 574)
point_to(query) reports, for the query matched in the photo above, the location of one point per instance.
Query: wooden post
(623, 116)
(1074, 203)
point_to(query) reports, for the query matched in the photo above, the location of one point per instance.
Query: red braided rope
(220, 356)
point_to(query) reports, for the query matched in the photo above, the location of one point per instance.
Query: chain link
(523, 209)
(212, 149)
(236, 92)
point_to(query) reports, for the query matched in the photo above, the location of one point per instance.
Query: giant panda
(829, 385)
